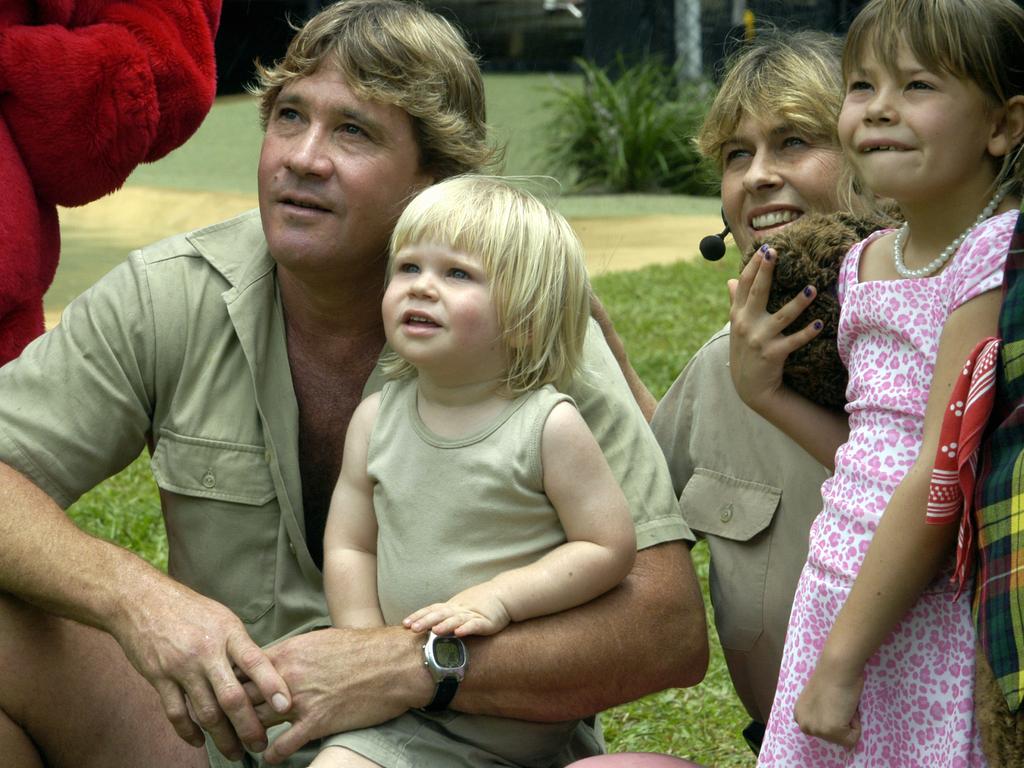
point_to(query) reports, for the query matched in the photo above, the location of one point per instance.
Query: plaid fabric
(999, 497)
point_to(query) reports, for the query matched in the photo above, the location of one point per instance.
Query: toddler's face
(439, 315)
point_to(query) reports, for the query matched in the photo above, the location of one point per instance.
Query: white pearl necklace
(937, 263)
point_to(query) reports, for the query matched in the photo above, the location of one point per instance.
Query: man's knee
(340, 757)
(75, 697)
(15, 745)
(28, 635)
(25, 632)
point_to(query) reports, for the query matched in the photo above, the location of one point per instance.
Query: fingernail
(767, 256)
(280, 702)
(763, 248)
(817, 325)
(808, 291)
(257, 746)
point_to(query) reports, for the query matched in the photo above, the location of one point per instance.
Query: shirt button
(209, 480)
(726, 514)
(267, 456)
(291, 547)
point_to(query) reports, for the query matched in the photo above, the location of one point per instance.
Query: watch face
(449, 653)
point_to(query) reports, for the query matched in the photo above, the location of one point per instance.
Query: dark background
(521, 35)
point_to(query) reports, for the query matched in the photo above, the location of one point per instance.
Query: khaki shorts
(455, 740)
(300, 759)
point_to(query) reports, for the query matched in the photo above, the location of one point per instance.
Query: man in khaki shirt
(237, 354)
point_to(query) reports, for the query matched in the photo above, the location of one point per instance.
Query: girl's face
(439, 316)
(772, 175)
(917, 136)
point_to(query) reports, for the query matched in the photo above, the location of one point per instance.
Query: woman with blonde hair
(744, 486)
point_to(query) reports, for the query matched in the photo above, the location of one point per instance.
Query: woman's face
(772, 175)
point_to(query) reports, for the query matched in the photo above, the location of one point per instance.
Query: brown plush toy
(810, 252)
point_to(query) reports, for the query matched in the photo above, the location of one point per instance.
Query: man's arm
(641, 393)
(647, 634)
(182, 643)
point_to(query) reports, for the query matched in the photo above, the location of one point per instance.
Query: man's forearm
(645, 635)
(48, 561)
(647, 402)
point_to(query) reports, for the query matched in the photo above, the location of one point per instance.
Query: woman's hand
(757, 347)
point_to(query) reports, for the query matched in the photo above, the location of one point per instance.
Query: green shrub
(630, 134)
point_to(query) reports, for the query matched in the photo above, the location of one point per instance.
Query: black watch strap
(443, 695)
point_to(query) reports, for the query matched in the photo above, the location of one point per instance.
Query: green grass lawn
(664, 314)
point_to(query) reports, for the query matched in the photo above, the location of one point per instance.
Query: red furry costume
(88, 90)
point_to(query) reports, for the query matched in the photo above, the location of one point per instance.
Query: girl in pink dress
(879, 656)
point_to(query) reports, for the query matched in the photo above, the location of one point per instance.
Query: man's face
(335, 172)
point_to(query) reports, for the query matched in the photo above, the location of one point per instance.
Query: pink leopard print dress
(916, 708)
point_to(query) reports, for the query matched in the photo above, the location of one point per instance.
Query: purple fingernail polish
(817, 325)
(808, 291)
(763, 248)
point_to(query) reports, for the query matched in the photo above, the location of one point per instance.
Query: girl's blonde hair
(981, 41)
(794, 78)
(399, 53)
(534, 264)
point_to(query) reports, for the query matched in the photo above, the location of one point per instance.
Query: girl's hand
(757, 347)
(827, 707)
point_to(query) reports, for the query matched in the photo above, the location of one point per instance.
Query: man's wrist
(413, 677)
(445, 658)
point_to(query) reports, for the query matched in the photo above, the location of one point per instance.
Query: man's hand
(342, 679)
(193, 651)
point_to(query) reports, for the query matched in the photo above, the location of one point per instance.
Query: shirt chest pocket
(222, 518)
(734, 515)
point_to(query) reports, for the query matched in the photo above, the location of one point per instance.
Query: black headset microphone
(712, 247)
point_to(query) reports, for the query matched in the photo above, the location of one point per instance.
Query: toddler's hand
(465, 614)
(757, 347)
(827, 708)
